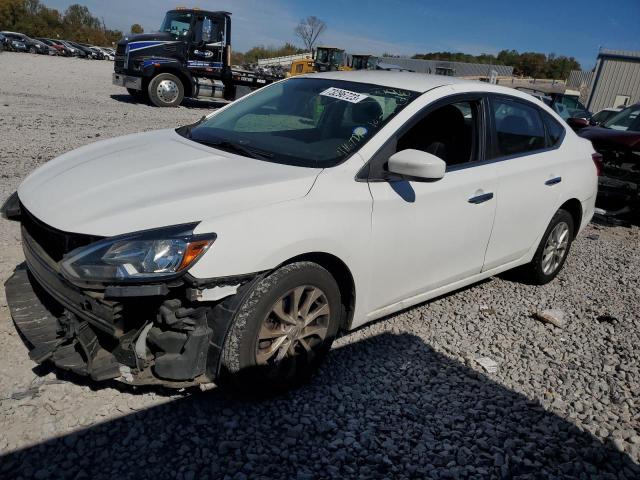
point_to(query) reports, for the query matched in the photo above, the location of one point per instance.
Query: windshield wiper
(234, 147)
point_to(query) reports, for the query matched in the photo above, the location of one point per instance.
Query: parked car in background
(30, 45)
(109, 53)
(97, 52)
(61, 49)
(617, 139)
(3, 40)
(236, 248)
(44, 48)
(566, 103)
(83, 52)
(74, 51)
(15, 42)
(604, 115)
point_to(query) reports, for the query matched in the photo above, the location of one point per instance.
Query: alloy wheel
(555, 249)
(297, 322)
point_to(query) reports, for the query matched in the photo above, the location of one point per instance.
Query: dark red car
(618, 141)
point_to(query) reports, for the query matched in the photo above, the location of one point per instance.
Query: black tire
(534, 272)
(160, 101)
(32, 50)
(140, 96)
(230, 92)
(239, 356)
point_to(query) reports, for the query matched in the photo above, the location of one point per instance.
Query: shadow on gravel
(187, 102)
(386, 407)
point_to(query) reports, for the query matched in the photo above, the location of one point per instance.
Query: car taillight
(597, 160)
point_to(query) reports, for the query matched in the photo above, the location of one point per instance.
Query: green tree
(34, 19)
(530, 64)
(137, 28)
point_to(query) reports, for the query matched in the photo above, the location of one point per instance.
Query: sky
(405, 27)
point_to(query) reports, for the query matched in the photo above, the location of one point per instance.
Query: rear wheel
(552, 251)
(140, 96)
(166, 90)
(284, 329)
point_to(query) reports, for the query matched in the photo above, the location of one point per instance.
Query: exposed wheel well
(574, 207)
(339, 270)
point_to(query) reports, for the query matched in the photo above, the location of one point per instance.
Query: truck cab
(190, 56)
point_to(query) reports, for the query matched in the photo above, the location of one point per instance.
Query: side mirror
(417, 165)
(577, 123)
(207, 29)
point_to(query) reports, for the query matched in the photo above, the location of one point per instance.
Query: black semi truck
(189, 57)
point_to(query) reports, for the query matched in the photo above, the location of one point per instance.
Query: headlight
(142, 256)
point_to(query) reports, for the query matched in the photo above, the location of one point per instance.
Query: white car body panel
(399, 252)
(151, 180)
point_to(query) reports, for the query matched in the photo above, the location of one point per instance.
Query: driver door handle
(553, 181)
(485, 197)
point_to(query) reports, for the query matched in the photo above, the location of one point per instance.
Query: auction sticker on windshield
(345, 95)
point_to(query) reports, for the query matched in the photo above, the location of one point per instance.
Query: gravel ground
(402, 398)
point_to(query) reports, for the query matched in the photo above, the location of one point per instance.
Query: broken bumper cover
(161, 338)
(69, 343)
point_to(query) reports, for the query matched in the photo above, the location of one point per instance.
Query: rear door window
(518, 128)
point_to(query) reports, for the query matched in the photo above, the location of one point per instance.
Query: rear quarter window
(555, 131)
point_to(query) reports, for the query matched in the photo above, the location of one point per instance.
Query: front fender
(334, 218)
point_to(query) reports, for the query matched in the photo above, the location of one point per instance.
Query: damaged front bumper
(146, 334)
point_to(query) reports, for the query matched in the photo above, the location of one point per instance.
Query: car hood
(151, 180)
(611, 137)
(146, 37)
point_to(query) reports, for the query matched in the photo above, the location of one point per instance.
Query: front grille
(54, 242)
(119, 57)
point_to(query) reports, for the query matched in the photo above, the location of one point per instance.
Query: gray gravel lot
(402, 398)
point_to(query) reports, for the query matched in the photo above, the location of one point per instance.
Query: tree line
(528, 64)
(76, 23)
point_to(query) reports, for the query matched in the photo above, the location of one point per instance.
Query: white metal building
(616, 80)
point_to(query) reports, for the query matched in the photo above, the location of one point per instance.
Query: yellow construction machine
(325, 59)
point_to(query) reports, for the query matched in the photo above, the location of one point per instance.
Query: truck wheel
(140, 96)
(283, 329)
(230, 92)
(166, 90)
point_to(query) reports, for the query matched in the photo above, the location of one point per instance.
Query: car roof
(418, 82)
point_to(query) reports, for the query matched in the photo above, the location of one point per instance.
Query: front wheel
(283, 329)
(166, 90)
(552, 251)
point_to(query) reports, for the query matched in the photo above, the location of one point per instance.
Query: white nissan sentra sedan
(238, 247)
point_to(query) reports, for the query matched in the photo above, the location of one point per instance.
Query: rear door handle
(485, 197)
(553, 181)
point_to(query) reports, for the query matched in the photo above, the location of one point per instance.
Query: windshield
(628, 119)
(360, 63)
(176, 23)
(306, 122)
